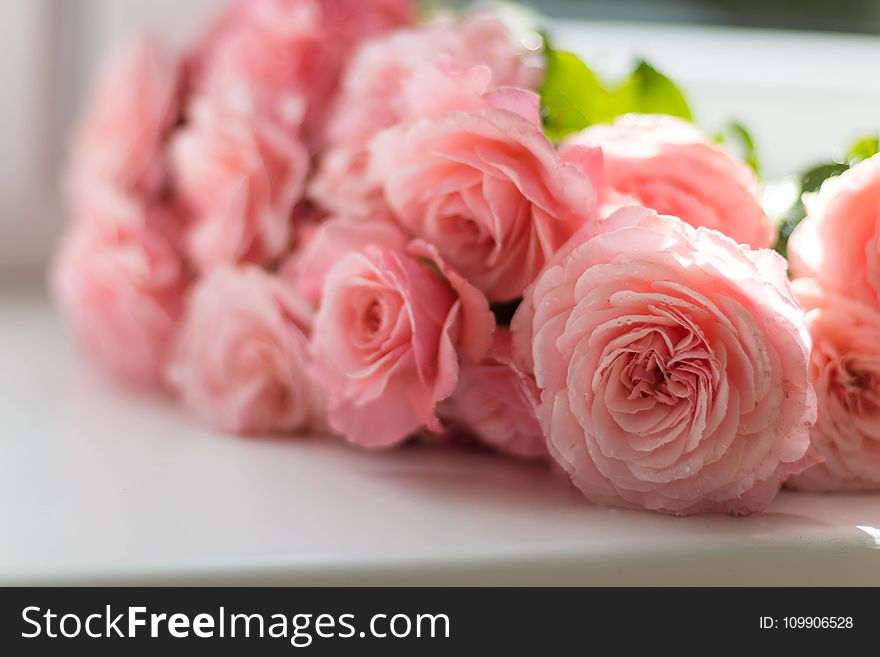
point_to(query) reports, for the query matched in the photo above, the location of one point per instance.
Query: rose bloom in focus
(845, 369)
(668, 165)
(393, 322)
(672, 367)
(242, 356)
(487, 188)
(838, 244)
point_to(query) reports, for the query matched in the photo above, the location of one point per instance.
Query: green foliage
(648, 91)
(811, 179)
(738, 139)
(864, 148)
(573, 97)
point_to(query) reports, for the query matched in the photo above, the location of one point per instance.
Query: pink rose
(373, 95)
(411, 74)
(308, 267)
(845, 370)
(344, 182)
(242, 356)
(120, 284)
(282, 51)
(838, 243)
(487, 189)
(496, 403)
(387, 337)
(343, 185)
(239, 177)
(666, 164)
(134, 103)
(672, 365)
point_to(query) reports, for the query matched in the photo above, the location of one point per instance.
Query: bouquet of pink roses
(340, 217)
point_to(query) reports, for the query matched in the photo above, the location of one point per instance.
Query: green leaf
(863, 149)
(812, 178)
(573, 97)
(648, 91)
(570, 96)
(738, 138)
(786, 228)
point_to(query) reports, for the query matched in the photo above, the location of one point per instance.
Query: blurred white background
(802, 94)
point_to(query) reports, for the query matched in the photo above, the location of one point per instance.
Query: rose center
(858, 380)
(649, 375)
(856, 388)
(468, 228)
(373, 318)
(667, 368)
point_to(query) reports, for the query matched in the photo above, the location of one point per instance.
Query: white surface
(102, 486)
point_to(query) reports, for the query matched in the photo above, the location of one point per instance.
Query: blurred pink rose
(410, 74)
(845, 369)
(134, 103)
(672, 365)
(285, 51)
(120, 285)
(838, 243)
(496, 403)
(373, 94)
(344, 182)
(387, 337)
(238, 177)
(487, 188)
(242, 356)
(668, 165)
(343, 185)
